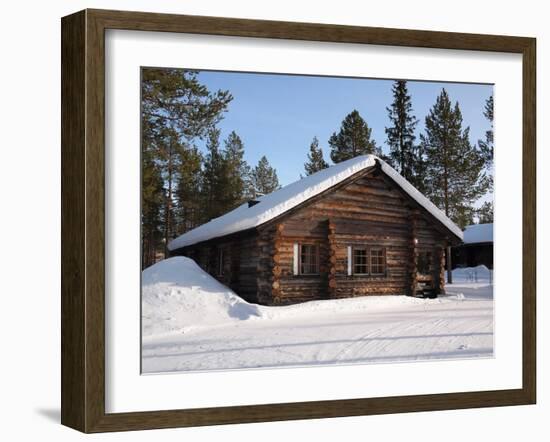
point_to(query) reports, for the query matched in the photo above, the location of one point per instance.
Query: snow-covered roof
(477, 233)
(276, 203)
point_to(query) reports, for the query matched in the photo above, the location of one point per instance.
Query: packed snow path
(347, 331)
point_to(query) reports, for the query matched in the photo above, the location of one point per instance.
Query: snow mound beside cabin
(177, 296)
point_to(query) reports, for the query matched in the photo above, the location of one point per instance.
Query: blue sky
(278, 115)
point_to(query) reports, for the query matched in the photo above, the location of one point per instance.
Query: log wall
(302, 229)
(240, 263)
(370, 212)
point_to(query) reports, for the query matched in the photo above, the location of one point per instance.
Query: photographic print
(254, 203)
(302, 220)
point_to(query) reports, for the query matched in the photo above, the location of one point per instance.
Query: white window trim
(350, 260)
(351, 264)
(296, 259)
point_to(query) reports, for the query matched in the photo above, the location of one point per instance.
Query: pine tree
(487, 146)
(238, 171)
(214, 178)
(175, 98)
(315, 160)
(152, 198)
(353, 139)
(485, 213)
(465, 216)
(248, 190)
(175, 110)
(454, 167)
(403, 156)
(169, 159)
(188, 190)
(264, 178)
(420, 177)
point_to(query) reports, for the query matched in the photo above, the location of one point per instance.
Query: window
(366, 260)
(377, 262)
(309, 259)
(360, 261)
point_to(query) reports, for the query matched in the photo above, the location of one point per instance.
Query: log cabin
(354, 229)
(477, 248)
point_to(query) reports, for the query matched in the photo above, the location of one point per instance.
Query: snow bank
(333, 307)
(479, 274)
(477, 233)
(282, 200)
(177, 296)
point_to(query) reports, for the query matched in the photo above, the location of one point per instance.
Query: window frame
(384, 266)
(367, 263)
(301, 262)
(368, 250)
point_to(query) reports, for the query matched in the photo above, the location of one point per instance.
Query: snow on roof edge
(288, 197)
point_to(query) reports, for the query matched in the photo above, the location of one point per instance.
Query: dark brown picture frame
(83, 220)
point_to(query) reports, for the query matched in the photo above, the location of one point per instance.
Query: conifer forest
(190, 174)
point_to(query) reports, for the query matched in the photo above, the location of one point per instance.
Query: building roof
(478, 233)
(277, 203)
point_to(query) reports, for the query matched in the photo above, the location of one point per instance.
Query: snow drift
(177, 296)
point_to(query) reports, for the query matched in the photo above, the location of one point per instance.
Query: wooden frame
(83, 216)
(367, 249)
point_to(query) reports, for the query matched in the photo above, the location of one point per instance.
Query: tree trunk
(168, 220)
(401, 151)
(446, 189)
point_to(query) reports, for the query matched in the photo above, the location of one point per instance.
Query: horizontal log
(365, 190)
(364, 205)
(353, 211)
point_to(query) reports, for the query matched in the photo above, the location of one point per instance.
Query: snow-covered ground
(192, 322)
